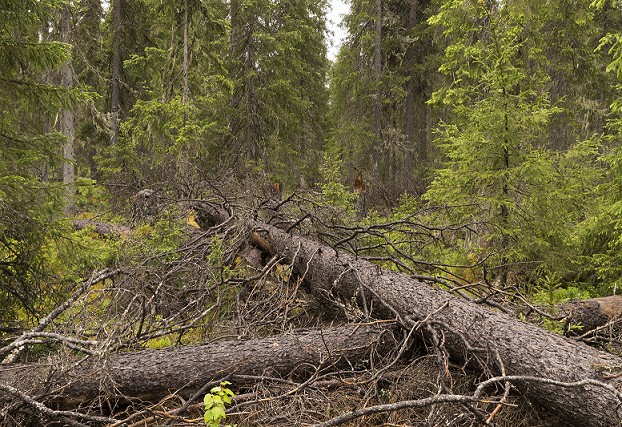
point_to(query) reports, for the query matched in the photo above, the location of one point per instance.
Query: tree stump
(144, 207)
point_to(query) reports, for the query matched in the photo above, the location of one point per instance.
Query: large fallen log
(467, 328)
(583, 316)
(150, 375)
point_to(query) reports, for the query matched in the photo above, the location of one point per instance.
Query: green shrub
(214, 405)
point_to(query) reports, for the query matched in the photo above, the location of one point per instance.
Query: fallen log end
(586, 315)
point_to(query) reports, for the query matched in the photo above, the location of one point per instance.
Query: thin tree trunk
(48, 122)
(377, 106)
(409, 119)
(183, 162)
(186, 64)
(245, 120)
(115, 80)
(66, 121)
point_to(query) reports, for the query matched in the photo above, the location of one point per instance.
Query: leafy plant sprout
(214, 405)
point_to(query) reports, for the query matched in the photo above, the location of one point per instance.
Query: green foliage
(524, 198)
(160, 342)
(91, 196)
(30, 204)
(278, 66)
(81, 252)
(218, 263)
(214, 405)
(599, 236)
(162, 238)
(256, 92)
(351, 109)
(552, 292)
(333, 191)
(164, 135)
(378, 116)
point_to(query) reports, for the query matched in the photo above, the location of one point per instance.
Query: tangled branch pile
(284, 303)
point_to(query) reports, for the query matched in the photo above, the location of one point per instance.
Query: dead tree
(473, 333)
(144, 206)
(586, 315)
(150, 375)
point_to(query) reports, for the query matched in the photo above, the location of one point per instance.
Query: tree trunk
(66, 121)
(183, 161)
(115, 79)
(377, 105)
(186, 64)
(245, 122)
(415, 112)
(525, 349)
(150, 375)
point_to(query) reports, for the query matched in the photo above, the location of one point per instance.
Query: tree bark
(150, 375)
(115, 78)
(586, 315)
(66, 120)
(524, 349)
(377, 105)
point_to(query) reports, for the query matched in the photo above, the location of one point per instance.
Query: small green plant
(214, 405)
(91, 196)
(550, 285)
(333, 191)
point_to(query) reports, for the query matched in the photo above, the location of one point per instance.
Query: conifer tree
(500, 110)
(29, 205)
(277, 62)
(67, 117)
(600, 234)
(379, 84)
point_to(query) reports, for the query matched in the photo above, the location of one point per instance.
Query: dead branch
(525, 349)
(151, 374)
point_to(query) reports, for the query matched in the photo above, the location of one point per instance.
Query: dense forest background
(474, 144)
(499, 119)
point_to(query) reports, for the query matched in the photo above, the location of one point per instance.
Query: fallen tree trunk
(150, 375)
(101, 228)
(524, 349)
(586, 315)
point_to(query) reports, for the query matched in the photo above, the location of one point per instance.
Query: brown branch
(477, 396)
(391, 407)
(64, 416)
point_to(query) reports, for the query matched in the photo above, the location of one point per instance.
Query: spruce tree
(379, 86)
(277, 62)
(600, 234)
(29, 203)
(499, 111)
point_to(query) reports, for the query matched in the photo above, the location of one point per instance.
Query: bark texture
(66, 121)
(115, 78)
(525, 349)
(150, 375)
(586, 315)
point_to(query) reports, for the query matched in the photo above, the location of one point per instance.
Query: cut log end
(587, 315)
